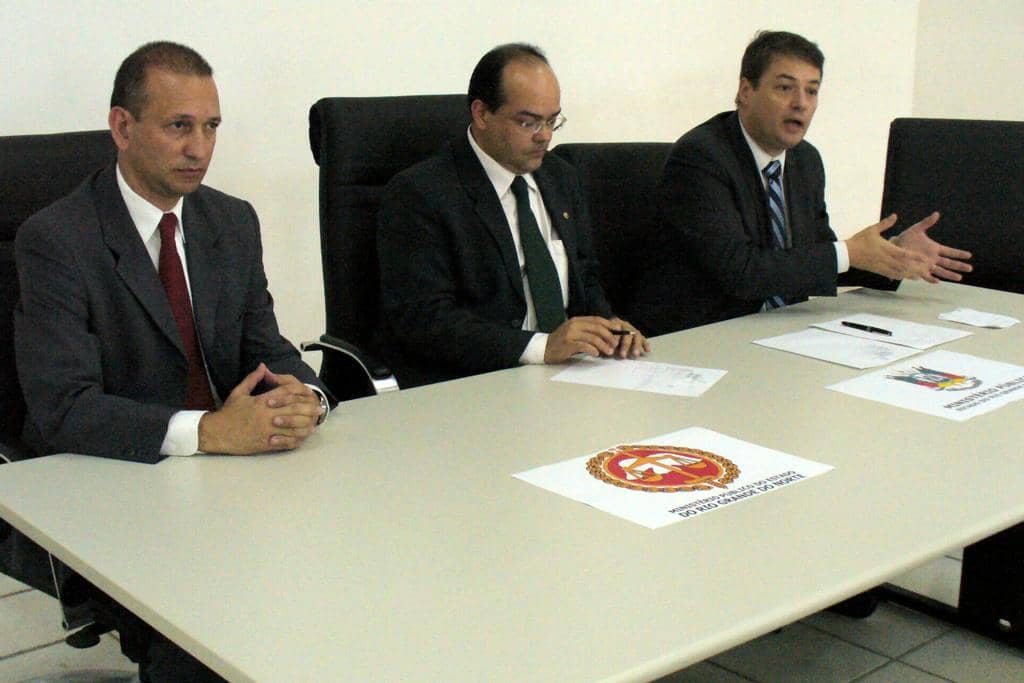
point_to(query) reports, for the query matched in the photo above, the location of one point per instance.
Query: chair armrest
(378, 374)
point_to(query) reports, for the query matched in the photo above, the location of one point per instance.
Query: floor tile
(62, 659)
(9, 585)
(705, 672)
(28, 620)
(938, 580)
(799, 653)
(892, 630)
(966, 657)
(895, 672)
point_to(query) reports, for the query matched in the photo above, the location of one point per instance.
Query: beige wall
(629, 70)
(970, 59)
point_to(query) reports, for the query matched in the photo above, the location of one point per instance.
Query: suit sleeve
(704, 221)
(60, 365)
(425, 313)
(261, 338)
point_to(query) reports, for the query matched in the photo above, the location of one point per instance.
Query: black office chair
(36, 170)
(972, 172)
(619, 179)
(359, 144)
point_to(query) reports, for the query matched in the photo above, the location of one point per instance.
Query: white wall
(629, 71)
(970, 60)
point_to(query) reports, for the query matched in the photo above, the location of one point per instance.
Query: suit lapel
(559, 209)
(751, 175)
(132, 261)
(205, 272)
(488, 207)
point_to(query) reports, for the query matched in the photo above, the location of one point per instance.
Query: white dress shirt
(501, 178)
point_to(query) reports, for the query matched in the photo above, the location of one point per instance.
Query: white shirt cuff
(182, 436)
(842, 256)
(533, 354)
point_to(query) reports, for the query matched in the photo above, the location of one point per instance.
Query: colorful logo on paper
(667, 469)
(936, 379)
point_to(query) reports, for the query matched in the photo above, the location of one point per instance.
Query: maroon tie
(173, 276)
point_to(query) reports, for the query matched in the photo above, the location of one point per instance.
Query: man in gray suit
(145, 328)
(485, 253)
(136, 341)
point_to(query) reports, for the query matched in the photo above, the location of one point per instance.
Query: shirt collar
(499, 176)
(761, 157)
(144, 215)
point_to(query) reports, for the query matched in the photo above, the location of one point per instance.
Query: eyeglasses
(533, 126)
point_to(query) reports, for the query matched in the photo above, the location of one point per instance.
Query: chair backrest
(619, 180)
(359, 144)
(972, 172)
(35, 171)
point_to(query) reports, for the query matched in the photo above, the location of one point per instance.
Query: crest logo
(936, 379)
(662, 468)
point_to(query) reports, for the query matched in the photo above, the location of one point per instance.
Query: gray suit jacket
(451, 290)
(99, 355)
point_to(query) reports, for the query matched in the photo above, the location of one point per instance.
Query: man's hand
(594, 336)
(278, 420)
(870, 251)
(632, 345)
(944, 262)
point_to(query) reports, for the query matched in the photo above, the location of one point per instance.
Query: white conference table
(396, 545)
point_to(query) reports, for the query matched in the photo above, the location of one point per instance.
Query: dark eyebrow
(793, 78)
(532, 115)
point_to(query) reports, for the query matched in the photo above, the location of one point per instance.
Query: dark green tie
(540, 269)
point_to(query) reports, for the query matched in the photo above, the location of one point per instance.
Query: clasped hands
(912, 255)
(278, 420)
(595, 336)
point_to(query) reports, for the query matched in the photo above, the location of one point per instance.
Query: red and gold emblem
(662, 468)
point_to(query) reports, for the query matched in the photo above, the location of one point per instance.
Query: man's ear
(120, 121)
(478, 109)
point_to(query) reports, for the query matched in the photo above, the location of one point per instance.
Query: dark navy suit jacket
(452, 300)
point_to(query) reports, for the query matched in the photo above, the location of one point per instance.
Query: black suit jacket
(99, 355)
(451, 289)
(713, 256)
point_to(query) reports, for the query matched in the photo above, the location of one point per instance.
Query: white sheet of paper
(853, 352)
(969, 316)
(640, 375)
(752, 470)
(904, 333)
(956, 386)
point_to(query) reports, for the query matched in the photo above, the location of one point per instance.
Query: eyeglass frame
(534, 126)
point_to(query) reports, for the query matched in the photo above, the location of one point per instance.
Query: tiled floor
(894, 645)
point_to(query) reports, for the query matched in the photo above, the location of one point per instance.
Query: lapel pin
(565, 215)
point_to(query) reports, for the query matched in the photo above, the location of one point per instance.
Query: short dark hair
(485, 83)
(130, 81)
(767, 45)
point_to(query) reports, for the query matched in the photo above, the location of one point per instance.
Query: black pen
(622, 333)
(866, 328)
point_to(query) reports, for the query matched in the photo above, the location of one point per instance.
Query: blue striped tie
(777, 212)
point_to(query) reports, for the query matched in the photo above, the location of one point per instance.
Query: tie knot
(168, 222)
(519, 188)
(773, 170)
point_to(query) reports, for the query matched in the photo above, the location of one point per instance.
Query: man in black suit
(718, 255)
(145, 327)
(467, 284)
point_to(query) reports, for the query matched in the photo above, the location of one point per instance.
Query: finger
(250, 381)
(926, 222)
(280, 442)
(290, 395)
(946, 274)
(885, 223)
(951, 253)
(301, 425)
